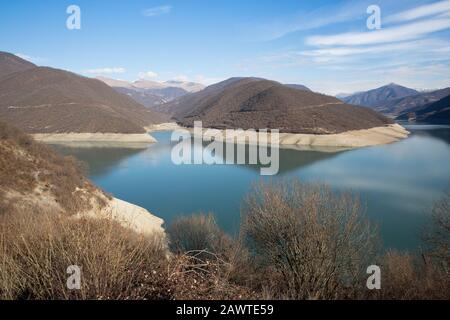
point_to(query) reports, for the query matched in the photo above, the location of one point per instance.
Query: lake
(398, 183)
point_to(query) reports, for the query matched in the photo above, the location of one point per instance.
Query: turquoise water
(397, 182)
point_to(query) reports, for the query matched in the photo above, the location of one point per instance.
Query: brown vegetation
(314, 241)
(257, 103)
(116, 263)
(198, 233)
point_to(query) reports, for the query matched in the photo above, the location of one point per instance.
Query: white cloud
(147, 75)
(156, 11)
(422, 46)
(394, 34)
(441, 7)
(113, 70)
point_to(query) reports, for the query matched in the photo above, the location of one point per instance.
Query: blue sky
(325, 45)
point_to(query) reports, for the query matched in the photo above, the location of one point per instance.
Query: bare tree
(437, 236)
(317, 241)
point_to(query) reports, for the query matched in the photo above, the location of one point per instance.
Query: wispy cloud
(392, 34)
(157, 11)
(113, 70)
(306, 20)
(422, 46)
(441, 7)
(147, 75)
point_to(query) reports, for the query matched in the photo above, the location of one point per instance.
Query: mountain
(152, 93)
(115, 82)
(10, 63)
(437, 112)
(380, 96)
(258, 103)
(298, 86)
(343, 95)
(185, 85)
(47, 100)
(413, 103)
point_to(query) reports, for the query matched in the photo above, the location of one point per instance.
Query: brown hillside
(46, 100)
(257, 103)
(10, 63)
(33, 176)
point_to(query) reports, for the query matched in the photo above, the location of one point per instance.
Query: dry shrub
(200, 275)
(198, 233)
(116, 263)
(35, 251)
(316, 244)
(437, 235)
(221, 262)
(406, 277)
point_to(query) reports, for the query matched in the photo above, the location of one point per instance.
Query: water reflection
(99, 160)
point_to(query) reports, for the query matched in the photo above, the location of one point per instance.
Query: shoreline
(95, 139)
(316, 142)
(129, 216)
(348, 139)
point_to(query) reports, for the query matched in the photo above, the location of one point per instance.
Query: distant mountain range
(403, 105)
(399, 102)
(380, 96)
(435, 112)
(47, 100)
(258, 103)
(153, 93)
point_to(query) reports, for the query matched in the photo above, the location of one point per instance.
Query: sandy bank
(109, 139)
(130, 216)
(349, 139)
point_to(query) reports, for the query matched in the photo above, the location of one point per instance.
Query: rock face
(47, 100)
(381, 96)
(258, 103)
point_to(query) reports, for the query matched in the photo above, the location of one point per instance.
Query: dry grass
(408, 277)
(35, 251)
(116, 263)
